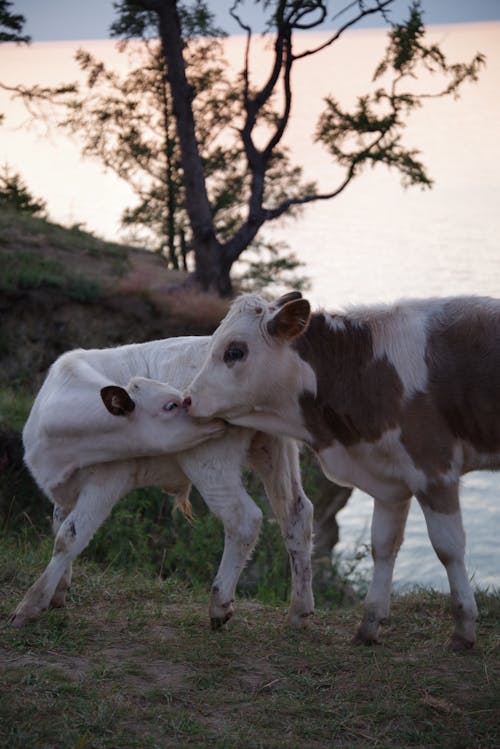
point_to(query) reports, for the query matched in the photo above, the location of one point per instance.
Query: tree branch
(273, 213)
(364, 12)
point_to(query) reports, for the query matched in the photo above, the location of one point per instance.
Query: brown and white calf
(101, 426)
(397, 400)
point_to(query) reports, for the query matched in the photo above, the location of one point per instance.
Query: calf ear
(291, 320)
(117, 400)
(291, 296)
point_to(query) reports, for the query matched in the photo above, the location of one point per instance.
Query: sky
(54, 20)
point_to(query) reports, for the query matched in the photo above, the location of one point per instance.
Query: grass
(132, 663)
(26, 270)
(20, 229)
(15, 405)
(37, 253)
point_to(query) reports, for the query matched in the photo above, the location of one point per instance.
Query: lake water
(376, 242)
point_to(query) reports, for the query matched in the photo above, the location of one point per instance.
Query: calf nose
(186, 402)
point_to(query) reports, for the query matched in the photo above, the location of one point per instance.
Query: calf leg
(216, 473)
(242, 520)
(59, 598)
(388, 524)
(276, 461)
(447, 536)
(102, 488)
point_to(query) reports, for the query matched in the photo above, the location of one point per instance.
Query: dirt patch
(166, 674)
(163, 633)
(147, 271)
(258, 675)
(138, 671)
(73, 667)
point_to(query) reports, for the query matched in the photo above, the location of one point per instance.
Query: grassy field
(132, 663)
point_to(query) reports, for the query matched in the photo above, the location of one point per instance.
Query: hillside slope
(62, 289)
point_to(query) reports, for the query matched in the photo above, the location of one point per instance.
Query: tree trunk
(212, 271)
(170, 183)
(209, 273)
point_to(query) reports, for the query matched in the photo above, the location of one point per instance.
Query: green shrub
(145, 532)
(15, 195)
(82, 289)
(15, 405)
(26, 270)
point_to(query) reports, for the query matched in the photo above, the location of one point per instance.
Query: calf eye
(170, 406)
(235, 352)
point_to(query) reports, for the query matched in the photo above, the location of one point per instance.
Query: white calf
(86, 457)
(396, 400)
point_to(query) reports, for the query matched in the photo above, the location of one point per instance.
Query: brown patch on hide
(440, 497)
(463, 358)
(359, 397)
(60, 545)
(262, 452)
(426, 436)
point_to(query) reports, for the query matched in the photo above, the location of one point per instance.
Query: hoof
(299, 621)
(18, 620)
(368, 643)
(219, 611)
(366, 635)
(216, 622)
(458, 643)
(369, 628)
(58, 600)
(25, 612)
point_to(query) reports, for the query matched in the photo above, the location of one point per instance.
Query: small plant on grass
(26, 270)
(15, 405)
(15, 195)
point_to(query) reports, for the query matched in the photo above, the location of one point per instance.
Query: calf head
(251, 366)
(154, 413)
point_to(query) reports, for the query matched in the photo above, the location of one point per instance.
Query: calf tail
(182, 503)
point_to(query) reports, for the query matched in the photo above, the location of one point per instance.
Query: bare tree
(371, 134)
(259, 179)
